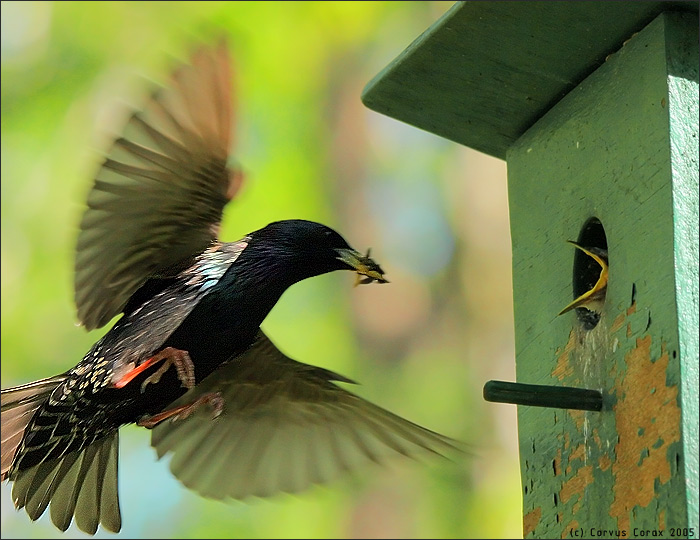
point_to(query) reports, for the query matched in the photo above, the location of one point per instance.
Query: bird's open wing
(284, 426)
(159, 195)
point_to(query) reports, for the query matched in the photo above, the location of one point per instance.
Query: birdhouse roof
(486, 71)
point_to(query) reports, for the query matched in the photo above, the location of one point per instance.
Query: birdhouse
(594, 107)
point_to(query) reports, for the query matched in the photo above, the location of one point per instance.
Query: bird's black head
(302, 249)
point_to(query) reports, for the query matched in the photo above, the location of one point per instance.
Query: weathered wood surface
(486, 71)
(618, 147)
(595, 120)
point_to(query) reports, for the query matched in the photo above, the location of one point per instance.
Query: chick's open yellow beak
(593, 298)
(364, 265)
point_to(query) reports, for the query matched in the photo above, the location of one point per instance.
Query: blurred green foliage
(434, 213)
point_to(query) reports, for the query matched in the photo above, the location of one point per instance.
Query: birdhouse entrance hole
(587, 271)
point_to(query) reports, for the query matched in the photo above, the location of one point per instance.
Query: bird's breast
(221, 326)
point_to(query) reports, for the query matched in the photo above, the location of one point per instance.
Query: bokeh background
(435, 214)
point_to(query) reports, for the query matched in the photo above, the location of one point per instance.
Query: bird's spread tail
(80, 484)
(18, 405)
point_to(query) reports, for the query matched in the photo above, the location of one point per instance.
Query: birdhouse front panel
(597, 170)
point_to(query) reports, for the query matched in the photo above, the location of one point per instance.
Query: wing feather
(159, 194)
(285, 425)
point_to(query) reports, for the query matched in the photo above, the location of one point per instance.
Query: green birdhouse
(594, 107)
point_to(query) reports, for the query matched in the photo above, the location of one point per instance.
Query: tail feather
(17, 406)
(80, 484)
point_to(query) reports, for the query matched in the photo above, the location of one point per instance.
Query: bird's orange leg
(170, 357)
(213, 399)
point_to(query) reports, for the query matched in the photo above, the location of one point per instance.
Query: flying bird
(187, 358)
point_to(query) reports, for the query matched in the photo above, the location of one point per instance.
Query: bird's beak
(593, 297)
(363, 265)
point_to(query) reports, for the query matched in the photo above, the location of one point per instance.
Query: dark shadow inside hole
(586, 269)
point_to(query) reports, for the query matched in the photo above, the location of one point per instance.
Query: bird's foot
(212, 399)
(170, 357)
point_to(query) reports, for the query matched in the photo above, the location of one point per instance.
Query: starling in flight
(187, 358)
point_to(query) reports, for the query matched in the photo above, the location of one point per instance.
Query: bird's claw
(212, 399)
(172, 357)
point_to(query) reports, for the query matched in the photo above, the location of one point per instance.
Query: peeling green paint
(605, 150)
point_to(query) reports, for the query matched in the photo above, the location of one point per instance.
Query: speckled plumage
(187, 357)
(73, 417)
